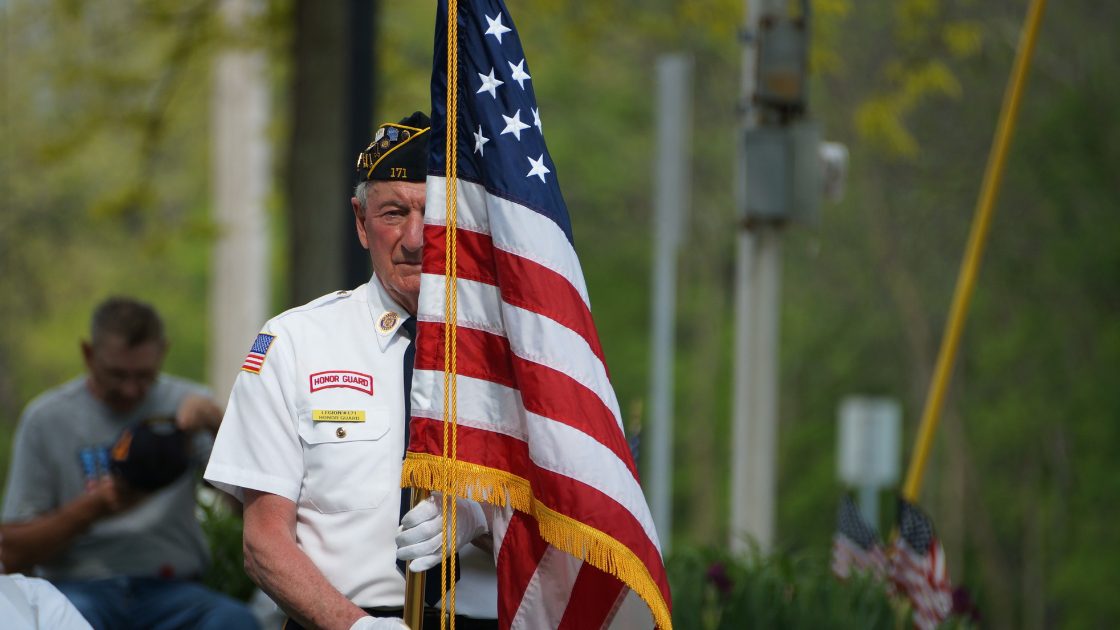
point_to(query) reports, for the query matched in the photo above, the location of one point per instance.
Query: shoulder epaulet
(324, 300)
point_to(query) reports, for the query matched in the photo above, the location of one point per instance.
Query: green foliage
(914, 69)
(713, 590)
(222, 529)
(103, 179)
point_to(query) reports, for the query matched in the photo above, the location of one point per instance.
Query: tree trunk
(328, 55)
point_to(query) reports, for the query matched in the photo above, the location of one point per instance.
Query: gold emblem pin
(340, 432)
(387, 321)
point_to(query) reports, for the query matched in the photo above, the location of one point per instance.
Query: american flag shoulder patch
(255, 360)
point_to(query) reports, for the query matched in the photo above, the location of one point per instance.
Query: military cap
(151, 453)
(399, 151)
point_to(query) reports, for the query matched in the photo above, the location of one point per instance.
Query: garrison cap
(151, 453)
(399, 151)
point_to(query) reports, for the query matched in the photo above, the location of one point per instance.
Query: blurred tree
(100, 178)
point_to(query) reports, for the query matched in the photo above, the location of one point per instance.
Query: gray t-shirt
(62, 444)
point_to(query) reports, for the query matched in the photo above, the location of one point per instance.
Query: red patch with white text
(342, 378)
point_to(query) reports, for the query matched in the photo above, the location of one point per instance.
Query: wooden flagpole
(414, 582)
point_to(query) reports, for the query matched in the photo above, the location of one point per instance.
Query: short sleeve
(31, 484)
(51, 607)
(258, 445)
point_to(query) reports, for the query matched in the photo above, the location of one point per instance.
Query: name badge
(338, 415)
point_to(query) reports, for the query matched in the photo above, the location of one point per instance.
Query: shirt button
(340, 432)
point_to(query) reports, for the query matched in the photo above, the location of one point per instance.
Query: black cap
(151, 454)
(399, 151)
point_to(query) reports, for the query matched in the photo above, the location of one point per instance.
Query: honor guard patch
(255, 360)
(342, 378)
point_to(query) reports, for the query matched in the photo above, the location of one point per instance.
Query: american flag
(918, 567)
(255, 359)
(855, 545)
(539, 428)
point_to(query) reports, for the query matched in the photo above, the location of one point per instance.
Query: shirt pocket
(348, 465)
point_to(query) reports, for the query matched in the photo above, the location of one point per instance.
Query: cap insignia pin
(387, 322)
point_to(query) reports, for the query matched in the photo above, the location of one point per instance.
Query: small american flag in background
(855, 545)
(538, 421)
(255, 360)
(918, 567)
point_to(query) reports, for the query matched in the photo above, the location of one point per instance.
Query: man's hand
(198, 412)
(113, 495)
(37, 540)
(420, 537)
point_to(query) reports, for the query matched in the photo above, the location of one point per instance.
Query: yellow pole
(966, 280)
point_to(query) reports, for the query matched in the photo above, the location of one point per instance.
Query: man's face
(392, 228)
(119, 375)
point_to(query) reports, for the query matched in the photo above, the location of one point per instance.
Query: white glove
(379, 623)
(419, 537)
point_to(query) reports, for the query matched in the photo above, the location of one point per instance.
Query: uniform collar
(386, 315)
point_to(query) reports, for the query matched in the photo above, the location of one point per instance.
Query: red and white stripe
(923, 578)
(534, 400)
(253, 362)
(848, 557)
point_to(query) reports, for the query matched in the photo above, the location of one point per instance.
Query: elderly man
(126, 549)
(314, 434)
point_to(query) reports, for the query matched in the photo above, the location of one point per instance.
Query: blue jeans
(121, 603)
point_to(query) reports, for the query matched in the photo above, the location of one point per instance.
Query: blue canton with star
(500, 140)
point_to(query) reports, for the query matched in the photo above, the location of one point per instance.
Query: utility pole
(777, 181)
(672, 185)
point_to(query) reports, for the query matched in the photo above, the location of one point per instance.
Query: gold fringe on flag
(499, 487)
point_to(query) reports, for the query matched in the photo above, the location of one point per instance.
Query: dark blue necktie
(431, 585)
(408, 329)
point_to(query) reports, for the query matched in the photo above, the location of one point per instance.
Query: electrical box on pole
(783, 173)
(783, 63)
(783, 160)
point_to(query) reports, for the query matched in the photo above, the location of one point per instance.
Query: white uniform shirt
(322, 424)
(32, 603)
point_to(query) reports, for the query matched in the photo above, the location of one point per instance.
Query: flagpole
(966, 280)
(414, 581)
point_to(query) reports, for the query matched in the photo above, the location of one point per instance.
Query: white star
(537, 119)
(519, 73)
(496, 28)
(480, 140)
(539, 169)
(489, 84)
(514, 125)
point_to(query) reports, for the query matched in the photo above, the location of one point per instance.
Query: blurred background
(131, 128)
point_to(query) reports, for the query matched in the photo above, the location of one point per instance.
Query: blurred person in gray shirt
(101, 491)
